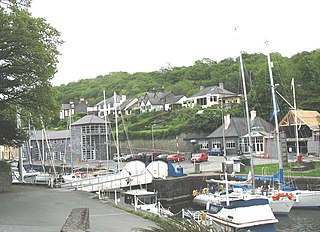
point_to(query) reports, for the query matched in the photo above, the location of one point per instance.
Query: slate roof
(238, 127)
(213, 90)
(175, 99)
(88, 119)
(125, 104)
(158, 98)
(110, 100)
(61, 134)
(66, 106)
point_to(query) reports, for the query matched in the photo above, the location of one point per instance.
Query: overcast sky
(103, 36)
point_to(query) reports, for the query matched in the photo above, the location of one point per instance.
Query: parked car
(152, 155)
(162, 157)
(121, 157)
(215, 151)
(199, 157)
(176, 157)
(140, 156)
(128, 158)
(241, 159)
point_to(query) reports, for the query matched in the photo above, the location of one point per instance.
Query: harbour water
(299, 220)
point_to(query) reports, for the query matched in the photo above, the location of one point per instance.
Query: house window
(316, 136)
(203, 145)
(213, 98)
(88, 147)
(258, 145)
(55, 155)
(216, 144)
(202, 101)
(230, 144)
(62, 155)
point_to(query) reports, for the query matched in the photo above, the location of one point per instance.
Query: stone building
(86, 140)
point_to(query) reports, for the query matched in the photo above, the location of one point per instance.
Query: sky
(103, 36)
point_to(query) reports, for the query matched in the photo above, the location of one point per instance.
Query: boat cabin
(140, 197)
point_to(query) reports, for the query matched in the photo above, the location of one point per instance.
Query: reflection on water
(299, 220)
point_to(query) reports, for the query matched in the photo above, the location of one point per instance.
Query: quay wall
(179, 189)
(5, 177)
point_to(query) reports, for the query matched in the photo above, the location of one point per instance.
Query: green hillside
(304, 67)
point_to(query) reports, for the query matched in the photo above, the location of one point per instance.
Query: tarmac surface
(42, 209)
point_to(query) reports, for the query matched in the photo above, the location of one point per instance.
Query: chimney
(221, 86)
(253, 114)
(201, 87)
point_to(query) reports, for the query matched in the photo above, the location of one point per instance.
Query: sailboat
(278, 197)
(233, 212)
(302, 198)
(279, 205)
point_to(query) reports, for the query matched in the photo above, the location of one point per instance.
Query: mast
(295, 116)
(117, 135)
(224, 152)
(70, 145)
(248, 122)
(281, 180)
(106, 126)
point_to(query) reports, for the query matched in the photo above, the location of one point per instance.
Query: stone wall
(162, 145)
(176, 190)
(5, 177)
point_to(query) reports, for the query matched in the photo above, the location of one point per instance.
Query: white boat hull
(281, 207)
(241, 215)
(306, 199)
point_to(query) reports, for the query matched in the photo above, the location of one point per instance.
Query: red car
(176, 157)
(199, 157)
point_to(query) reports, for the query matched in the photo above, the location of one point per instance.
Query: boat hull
(306, 199)
(281, 207)
(241, 215)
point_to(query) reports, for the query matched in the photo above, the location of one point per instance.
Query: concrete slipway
(38, 208)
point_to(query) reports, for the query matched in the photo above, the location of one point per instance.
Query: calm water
(299, 220)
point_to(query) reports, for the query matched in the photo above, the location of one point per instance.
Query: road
(212, 165)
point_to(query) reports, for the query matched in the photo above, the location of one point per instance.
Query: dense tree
(28, 59)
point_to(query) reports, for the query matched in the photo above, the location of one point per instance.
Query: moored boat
(240, 215)
(280, 205)
(146, 201)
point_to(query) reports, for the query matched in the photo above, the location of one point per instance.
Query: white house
(213, 96)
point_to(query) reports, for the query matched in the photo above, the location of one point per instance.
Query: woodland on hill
(303, 67)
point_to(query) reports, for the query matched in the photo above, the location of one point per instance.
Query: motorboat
(146, 201)
(242, 215)
(279, 205)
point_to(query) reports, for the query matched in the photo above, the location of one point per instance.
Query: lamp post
(224, 150)
(152, 137)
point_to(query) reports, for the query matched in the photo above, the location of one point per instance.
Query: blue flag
(277, 110)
